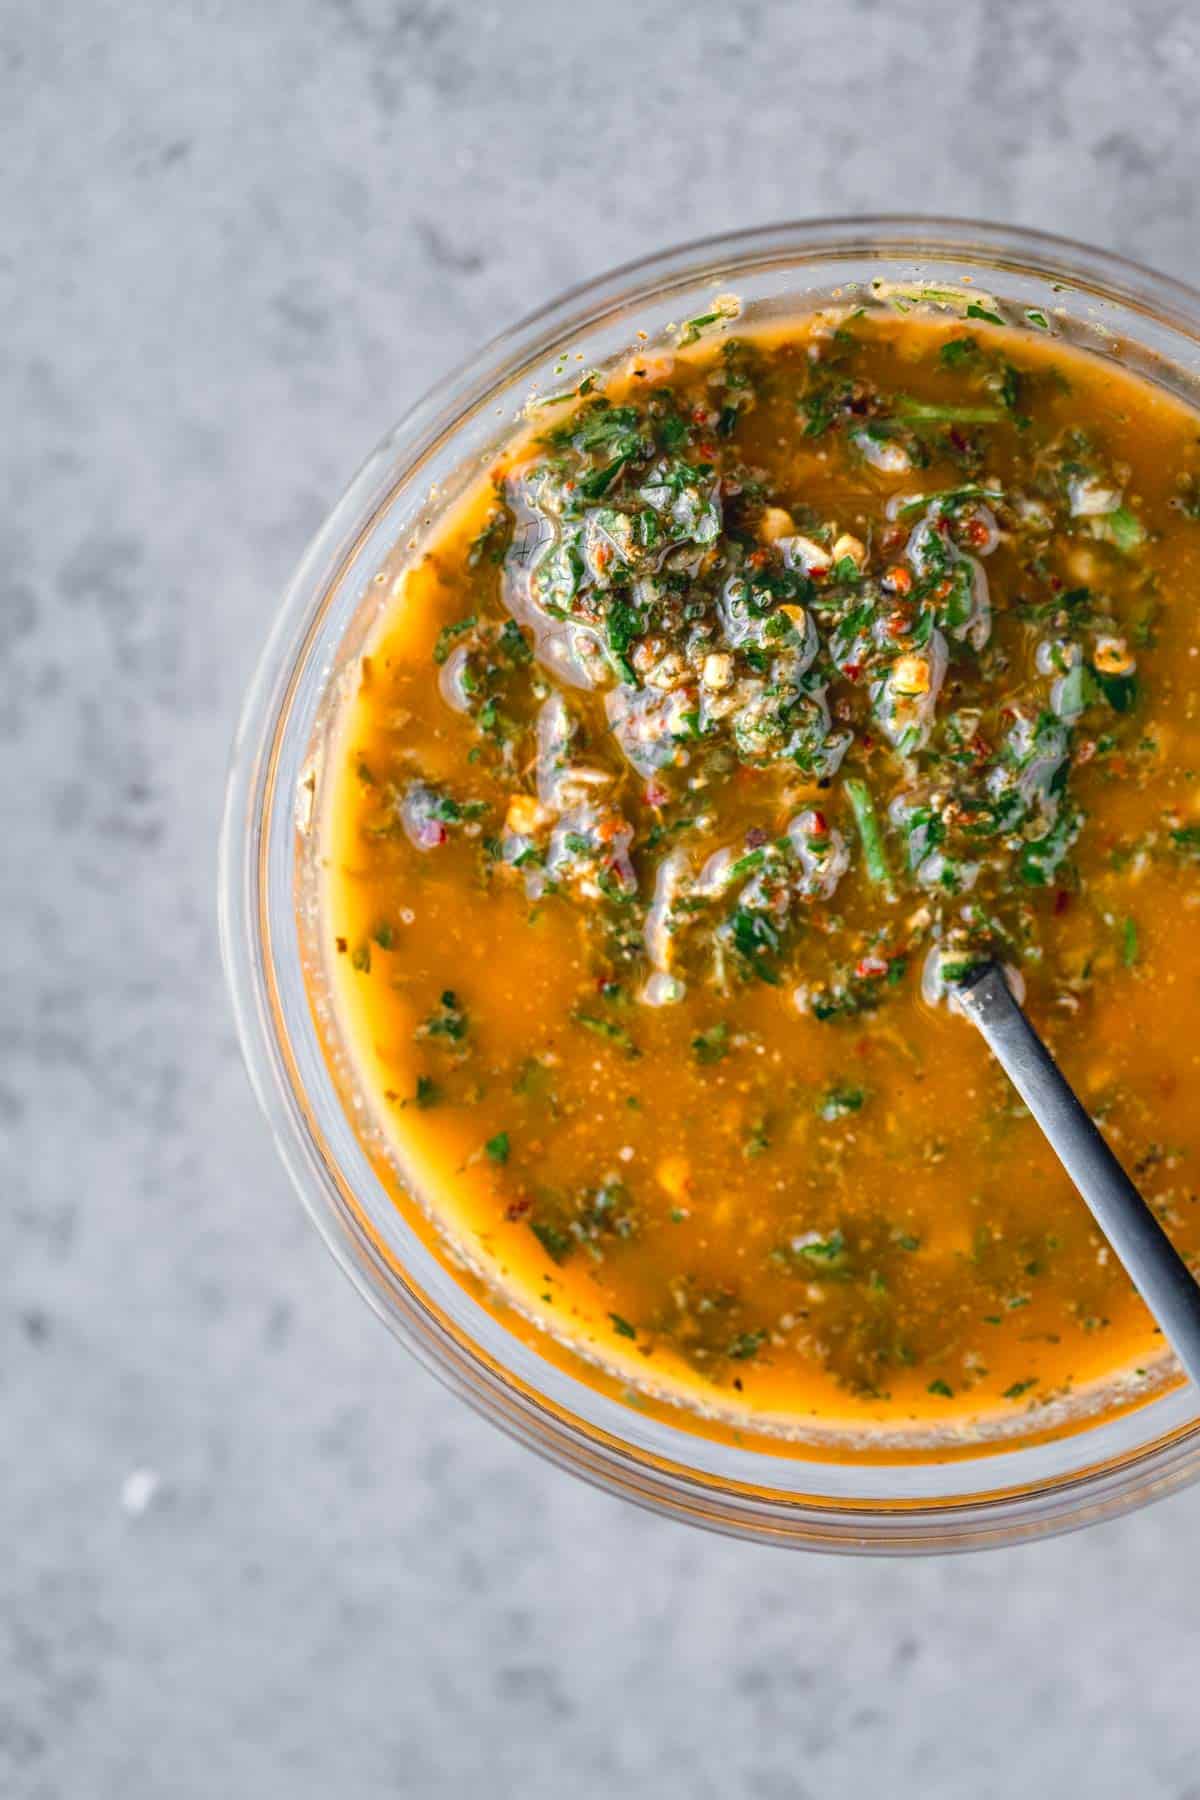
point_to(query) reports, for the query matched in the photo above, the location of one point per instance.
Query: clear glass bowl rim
(1128, 1468)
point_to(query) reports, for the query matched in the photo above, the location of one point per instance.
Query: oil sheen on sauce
(750, 693)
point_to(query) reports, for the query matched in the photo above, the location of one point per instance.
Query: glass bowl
(967, 1496)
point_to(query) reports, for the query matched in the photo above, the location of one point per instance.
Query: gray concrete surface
(248, 1548)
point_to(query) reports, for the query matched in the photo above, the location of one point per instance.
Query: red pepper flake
(852, 671)
(708, 452)
(1062, 900)
(342, 946)
(871, 968)
(818, 825)
(519, 1208)
(978, 532)
(656, 794)
(757, 558)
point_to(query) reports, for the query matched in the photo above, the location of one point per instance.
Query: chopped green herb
(449, 1021)
(958, 351)
(1124, 529)
(1187, 841)
(492, 543)
(723, 310)
(841, 1099)
(711, 1045)
(980, 312)
(556, 1244)
(874, 854)
(827, 1252)
(1129, 943)
(757, 1140)
(608, 1029)
(930, 412)
(756, 940)
(448, 636)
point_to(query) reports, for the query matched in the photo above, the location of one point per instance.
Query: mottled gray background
(248, 1548)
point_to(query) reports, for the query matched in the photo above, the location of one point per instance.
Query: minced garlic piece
(1112, 656)
(526, 816)
(852, 547)
(910, 675)
(775, 523)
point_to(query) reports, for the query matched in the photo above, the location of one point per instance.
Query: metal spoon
(1151, 1260)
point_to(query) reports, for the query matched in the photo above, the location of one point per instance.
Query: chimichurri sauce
(758, 689)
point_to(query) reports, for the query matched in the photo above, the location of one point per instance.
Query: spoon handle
(1155, 1266)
